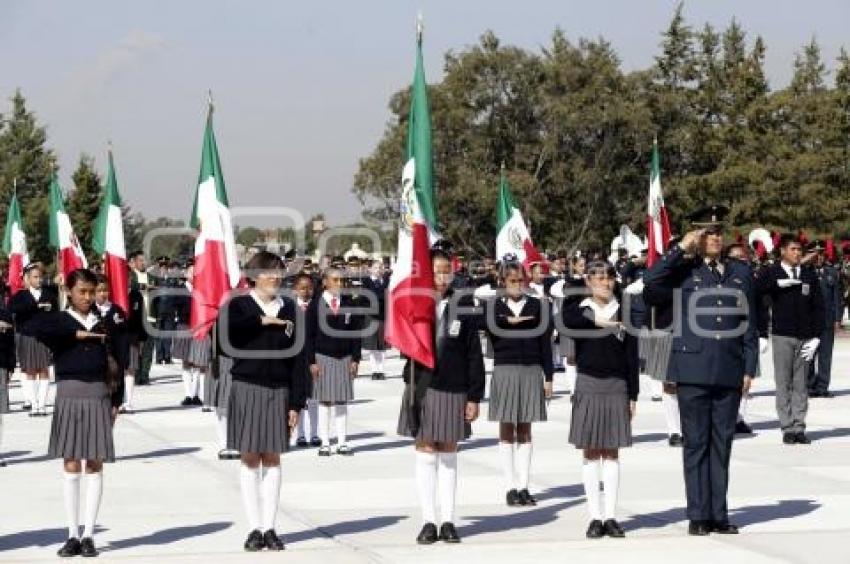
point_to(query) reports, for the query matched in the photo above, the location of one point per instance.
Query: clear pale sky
(301, 88)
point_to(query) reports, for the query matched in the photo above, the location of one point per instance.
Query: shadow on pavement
(344, 528)
(161, 453)
(168, 536)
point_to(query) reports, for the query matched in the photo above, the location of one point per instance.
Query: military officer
(832, 293)
(713, 358)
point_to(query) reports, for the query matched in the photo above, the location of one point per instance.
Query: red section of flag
(210, 287)
(653, 254)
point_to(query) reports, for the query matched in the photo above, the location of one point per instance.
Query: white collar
(88, 322)
(105, 307)
(36, 293)
(327, 296)
(606, 312)
(271, 308)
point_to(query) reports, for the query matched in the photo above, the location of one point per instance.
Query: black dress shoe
(448, 533)
(826, 394)
(789, 438)
(187, 401)
(255, 541)
(325, 451)
(26, 406)
(428, 534)
(675, 440)
(741, 428)
(197, 401)
(724, 528)
(613, 529)
(699, 528)
(512, 498)
(525, 498)
(315, 442)
(801, 439)
(2, 463)
(69, 549)
(87, 549)
(301, 442)
(596, 530)
(272, 541)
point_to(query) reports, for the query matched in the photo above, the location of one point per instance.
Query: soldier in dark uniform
(832, 292)
(375, 288)
(713, 358)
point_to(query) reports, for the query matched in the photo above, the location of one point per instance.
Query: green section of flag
(110, 198)
(419, 143)
(57, 205)
(13, 218)
(210, 167)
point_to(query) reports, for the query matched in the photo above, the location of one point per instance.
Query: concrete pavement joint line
(294, 515)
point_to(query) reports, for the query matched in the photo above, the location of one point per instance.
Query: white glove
(484, 292)
(763, 343)
(787, 282)
(809, 348)
(635, 288)
(557, 289)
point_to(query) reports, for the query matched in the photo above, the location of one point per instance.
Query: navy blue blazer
(701, 353)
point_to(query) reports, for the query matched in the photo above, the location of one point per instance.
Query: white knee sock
(28, 387)
(250, 481)
(656, 388)
(302, 424)
(271, 496)
(221, 429)
(571, 377)
(671, 413)
(506, 452)
(186, 375)
(341, 422)
(196, 381)
(377, 361)
(523, 464)
(313, 412)
(426, 483)
(325, 424)
(590, 477)
(611, 479)
(43, 389)
(447, 483)
(71, 493)
(129, 385)
(742, 409)
(94, 493)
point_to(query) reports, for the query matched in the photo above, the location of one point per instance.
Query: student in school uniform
(7, 365)
(115, 322)
(302, 287)
(439, 405)
(520, 328)
(334, 358)
(606, 392)
(33, 356)
(266, 395)
(221, 365)
(89, 391)
(193, 353)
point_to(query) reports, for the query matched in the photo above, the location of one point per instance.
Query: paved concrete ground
(169, 499)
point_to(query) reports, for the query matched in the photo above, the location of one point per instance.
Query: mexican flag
(410, 309)
(62, 236)
(15, 246)
(657, 222)
(513, 236)
(216, 264)
(109, 241)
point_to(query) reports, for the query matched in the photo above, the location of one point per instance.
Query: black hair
(33, 266)
(263, 261)
(81, 275)
(101, 279)
(302, 276)
(787, 239)
(508, 266)
(601, 267)
(134, 254)
(437, 252)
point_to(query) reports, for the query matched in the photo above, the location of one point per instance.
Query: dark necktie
(712, 265)
(795, 272)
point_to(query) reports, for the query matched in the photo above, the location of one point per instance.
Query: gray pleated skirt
(4, 391)
(443, 417)
(643, 343)
(82, 422)
(196, 352)
(600, 416)
(375, 341)
(222, 385)
(567, 346)
(33, 355)
(659, 344)
(516, 394)
(334, 384)
(135, 357)
(257, 418)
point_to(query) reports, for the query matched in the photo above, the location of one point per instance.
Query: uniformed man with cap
(833, 298)
(713, 358)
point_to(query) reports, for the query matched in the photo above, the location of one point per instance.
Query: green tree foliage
(25, 158)
(83, 203)
(575, 134)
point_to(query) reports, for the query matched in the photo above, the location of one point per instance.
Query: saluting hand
(690, 242)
